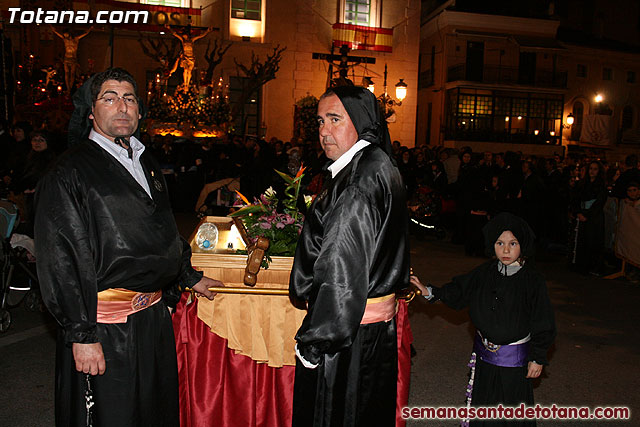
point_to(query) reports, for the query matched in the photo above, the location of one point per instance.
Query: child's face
(507, 248)
(633, 193)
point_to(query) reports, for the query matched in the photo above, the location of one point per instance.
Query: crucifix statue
(187, 58)
(70, 55)
(344, 61)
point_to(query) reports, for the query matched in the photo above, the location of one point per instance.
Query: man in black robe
(353, 251)
(105, 230)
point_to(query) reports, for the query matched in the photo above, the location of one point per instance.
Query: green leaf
(287, 178)
(248, 210)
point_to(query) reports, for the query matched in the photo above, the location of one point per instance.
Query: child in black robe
(509, 305)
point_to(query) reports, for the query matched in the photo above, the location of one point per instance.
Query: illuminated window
(246, 9)
(360, 12)
(484, 105)
(357, 12)
(466, 104)
(172, 3)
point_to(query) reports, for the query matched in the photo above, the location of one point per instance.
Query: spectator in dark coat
(588, 210)
(631, 173)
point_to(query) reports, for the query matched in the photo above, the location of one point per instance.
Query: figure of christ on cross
(187, 58)
(70, 55)
(343, 65)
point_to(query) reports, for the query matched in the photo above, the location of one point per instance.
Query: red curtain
(221, 388)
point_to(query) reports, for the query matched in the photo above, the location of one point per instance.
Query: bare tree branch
(214, 58)
(257, 73)
(160, 51)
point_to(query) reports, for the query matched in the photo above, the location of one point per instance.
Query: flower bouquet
(277, 219)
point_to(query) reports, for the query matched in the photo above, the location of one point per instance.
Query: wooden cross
(343, 65)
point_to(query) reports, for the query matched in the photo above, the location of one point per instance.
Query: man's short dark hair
(117, 74)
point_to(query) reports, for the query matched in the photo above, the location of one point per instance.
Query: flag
(595, 129)
(357, 37)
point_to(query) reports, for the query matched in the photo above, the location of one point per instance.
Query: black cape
(353, 246)
(504, 309)
(96, 228)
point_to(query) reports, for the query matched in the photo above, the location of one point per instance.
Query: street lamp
(401, 90)
(387, 101)
(368, 83)
(570, 120)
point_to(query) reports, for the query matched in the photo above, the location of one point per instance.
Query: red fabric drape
(221, 388)
(405, 338)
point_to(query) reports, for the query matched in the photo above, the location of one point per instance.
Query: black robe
(504, 309)
(589, 200)
(96, 229)
(353, 246)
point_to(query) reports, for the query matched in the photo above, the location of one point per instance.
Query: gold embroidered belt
(115, 305)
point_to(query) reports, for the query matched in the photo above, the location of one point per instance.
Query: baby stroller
(19, 280)
(425, 212)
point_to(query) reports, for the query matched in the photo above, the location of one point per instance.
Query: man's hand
(89, 358)
(534, 370)
(202, 287)
(582, 218)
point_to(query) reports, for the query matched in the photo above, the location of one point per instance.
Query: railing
(509, 75)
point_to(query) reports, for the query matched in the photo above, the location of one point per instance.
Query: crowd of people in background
(564, 199)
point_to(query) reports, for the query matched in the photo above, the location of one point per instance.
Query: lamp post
(386, 101)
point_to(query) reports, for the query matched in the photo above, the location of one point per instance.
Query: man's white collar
(345, 159)
(115, 149)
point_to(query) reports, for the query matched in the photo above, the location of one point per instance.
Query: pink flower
(288, 219)
(265, 225)
(279, 225)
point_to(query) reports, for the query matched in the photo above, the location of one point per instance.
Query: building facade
(253, 29)
(500, 76)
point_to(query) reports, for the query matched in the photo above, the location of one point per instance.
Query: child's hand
(418, 284)
(534, 370)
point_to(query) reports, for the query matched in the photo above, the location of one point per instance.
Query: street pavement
(594, 362)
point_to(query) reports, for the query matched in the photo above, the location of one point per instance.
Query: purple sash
(508, 356)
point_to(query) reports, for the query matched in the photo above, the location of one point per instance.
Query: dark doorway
(475, 61)
(527, 69)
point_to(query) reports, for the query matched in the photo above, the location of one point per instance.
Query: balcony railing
(509, 76)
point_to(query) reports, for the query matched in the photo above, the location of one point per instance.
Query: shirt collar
(509, 270)
(345, 159)
(116, 150)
